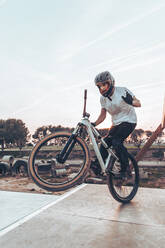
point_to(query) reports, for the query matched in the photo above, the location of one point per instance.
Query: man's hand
(128, 98)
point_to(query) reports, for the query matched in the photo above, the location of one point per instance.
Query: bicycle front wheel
(51, 175)
(124, 189)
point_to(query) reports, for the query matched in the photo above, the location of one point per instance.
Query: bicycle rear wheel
(124, 189)
(51, 175)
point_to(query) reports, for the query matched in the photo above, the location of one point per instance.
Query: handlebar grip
(85, 94)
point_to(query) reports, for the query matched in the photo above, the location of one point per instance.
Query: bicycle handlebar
(85, 114)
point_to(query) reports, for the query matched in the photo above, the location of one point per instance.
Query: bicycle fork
(63, 155)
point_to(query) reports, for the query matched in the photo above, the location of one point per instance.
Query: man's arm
(136, 102)
(101, 117)
(132, 100)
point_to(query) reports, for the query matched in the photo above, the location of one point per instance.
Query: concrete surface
(152, 163)
(91, 218)
(15, 205)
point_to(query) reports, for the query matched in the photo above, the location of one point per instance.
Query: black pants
(117, 134)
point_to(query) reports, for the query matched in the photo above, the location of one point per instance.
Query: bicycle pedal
(103, 176)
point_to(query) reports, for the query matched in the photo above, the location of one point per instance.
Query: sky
(51, 50)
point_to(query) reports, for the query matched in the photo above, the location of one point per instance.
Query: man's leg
(117, 134)
(103, 150)
(123, 131)
(121, 152)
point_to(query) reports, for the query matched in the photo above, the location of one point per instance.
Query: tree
(148, 134)
(45, 130)
(16, 133)
(40, 133)
(2, 133)
(137, 137)
(159, 139)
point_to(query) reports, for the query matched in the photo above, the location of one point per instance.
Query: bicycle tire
(124, 184)
(40, 152)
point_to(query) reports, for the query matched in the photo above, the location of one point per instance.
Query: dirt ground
(23, 184)
(18, 183)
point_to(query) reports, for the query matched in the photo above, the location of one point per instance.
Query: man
(119, 102)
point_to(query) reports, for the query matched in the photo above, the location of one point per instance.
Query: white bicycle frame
(92, 132)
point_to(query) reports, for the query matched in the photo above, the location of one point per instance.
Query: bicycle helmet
(105, 77)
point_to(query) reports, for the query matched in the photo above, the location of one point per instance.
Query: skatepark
(86, 216)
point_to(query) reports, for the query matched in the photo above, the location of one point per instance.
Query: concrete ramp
(89, 217)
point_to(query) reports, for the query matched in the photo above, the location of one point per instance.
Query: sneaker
(119, 174)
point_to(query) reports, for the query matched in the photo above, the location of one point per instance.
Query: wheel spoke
(48, 169)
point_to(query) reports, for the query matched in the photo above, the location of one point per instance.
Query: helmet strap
(108, 93)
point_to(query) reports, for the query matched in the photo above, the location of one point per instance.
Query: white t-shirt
(119, 110)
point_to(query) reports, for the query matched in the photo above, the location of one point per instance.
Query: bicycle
(61, 160)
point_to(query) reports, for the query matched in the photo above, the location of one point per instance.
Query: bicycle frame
(92, 132)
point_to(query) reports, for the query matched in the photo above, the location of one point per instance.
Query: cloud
(148, 85)
(39, 101)
(130, 67)
(135, 52)
(2, 3)
(113, 31)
